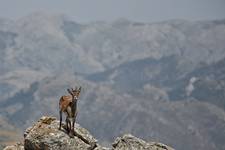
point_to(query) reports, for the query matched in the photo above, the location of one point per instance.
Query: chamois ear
(78, 92)
(69, 91)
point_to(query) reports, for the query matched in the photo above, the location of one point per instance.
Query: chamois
(68, 105)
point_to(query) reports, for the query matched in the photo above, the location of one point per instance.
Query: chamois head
(74, 93)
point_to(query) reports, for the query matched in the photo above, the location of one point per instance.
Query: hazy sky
(108, 10)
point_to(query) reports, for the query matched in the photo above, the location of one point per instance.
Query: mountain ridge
(181, 77)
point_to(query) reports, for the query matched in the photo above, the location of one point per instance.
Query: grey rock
(17, 146)
(45, 134)
(130, 142)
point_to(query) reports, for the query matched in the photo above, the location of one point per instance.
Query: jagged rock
(17, 146)
(129, 142)
(45, 135)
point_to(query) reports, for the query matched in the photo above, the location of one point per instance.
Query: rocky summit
(45, 135)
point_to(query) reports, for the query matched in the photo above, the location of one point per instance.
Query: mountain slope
(165, 79)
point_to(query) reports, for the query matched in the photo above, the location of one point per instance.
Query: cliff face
(45, 135)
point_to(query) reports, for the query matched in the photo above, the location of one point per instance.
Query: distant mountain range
(159, 81)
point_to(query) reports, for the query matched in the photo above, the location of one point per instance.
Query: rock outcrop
(130, 142)
(45, 135)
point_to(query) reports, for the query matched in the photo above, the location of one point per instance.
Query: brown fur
(64, 102)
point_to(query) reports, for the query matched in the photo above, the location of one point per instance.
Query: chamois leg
(67, 124)
(60, 123)
(74, 119)
(71, 134)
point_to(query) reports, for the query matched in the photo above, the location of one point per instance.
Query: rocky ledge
(45, 135)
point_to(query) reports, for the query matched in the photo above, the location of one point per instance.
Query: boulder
(45, 134)
(130, 142)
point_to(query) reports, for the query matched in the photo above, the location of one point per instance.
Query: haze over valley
(162, 81)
